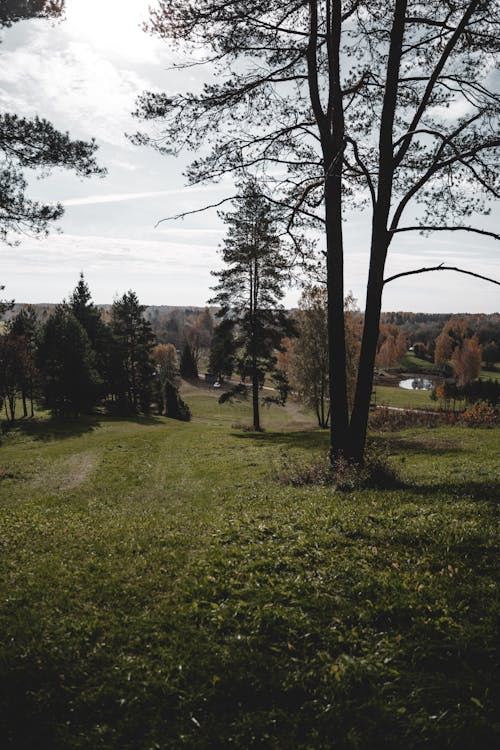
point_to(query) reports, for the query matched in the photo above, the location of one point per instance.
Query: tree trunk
(361, 408)
(255, 397)
(379, 243)
(339, 415)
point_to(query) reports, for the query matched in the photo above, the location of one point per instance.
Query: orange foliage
(466, 360)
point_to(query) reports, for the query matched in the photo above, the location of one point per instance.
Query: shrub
(376, 471)
(392, 420)
(175, 407)
(481, 414)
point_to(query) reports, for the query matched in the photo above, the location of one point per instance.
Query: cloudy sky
(84, 74)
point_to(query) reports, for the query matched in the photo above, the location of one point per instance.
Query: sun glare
(112, 25)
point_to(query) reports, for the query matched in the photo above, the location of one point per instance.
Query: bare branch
(196, 210)
(363, 168)
(446, 229)
(434, 77)
(441, 267)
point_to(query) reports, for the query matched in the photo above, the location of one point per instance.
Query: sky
(84, 74)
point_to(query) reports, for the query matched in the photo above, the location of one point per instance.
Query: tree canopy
(34, 144)
(12, 11)
(387, 105)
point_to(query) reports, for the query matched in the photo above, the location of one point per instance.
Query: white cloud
(119, 197)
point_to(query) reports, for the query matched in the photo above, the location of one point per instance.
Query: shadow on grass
(292, 439)
(52, 429)
(319, 439)
(60, 429)
(486, 490)
(424, 446)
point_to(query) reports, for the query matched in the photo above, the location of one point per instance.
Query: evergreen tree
(251, 287)
(222, 361)
(188, 366)
(175, 407)
(132, 368)
(89, 316)
(167, 371)
(4, 304)
(25, 327)
(69, 379)
(34, 144)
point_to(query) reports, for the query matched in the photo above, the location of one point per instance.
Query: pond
(417, 384)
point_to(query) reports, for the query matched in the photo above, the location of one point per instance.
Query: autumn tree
(453, 333)
(389, 105)
(309, 366)
(391, 347)
(198, 334)
(443, 349)
(251, 286)
(466, 360)
(309, 360)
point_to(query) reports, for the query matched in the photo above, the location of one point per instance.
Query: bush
(175, 407)
(376, 471)
(392, 420)
(481, 414)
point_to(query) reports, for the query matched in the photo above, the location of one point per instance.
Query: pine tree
(251, 287)
(132, 366)
(167, 371)
(25, 327)
(221, 361)
(69, 379)
(89, 316)
(188, 366)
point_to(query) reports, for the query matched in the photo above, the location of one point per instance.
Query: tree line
(75, 361)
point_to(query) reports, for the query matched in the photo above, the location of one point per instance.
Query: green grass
(385, 395)
(415, 364)
(490, 374)
(161, 590)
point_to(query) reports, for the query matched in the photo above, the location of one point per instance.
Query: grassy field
(160, 589)
(386, 395)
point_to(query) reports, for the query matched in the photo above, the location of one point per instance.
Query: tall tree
(309, 361)
(65, 358)
(222, 359)
(309, 366)
(25, 326)
(188, 365)
(164, 357)
(133, 341)
(251, 287)
(89, 316)
(15, 363)
(388, 101)
(466, 361)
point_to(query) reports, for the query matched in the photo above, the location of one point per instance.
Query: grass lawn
(161, 590)
(386, 395)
